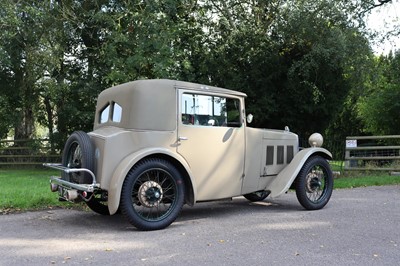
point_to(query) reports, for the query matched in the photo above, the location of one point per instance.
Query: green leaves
(379, 109)
(297, 60)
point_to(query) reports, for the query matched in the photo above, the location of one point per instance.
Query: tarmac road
(358, 227)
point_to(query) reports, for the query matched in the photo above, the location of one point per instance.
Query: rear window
(111, 112)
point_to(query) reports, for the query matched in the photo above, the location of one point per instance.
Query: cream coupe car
(159, 144)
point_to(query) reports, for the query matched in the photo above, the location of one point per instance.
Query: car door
(211, 139)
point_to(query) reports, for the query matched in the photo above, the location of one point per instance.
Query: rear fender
(287, 176)
(122, 170)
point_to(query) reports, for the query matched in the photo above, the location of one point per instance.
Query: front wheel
(152, 194)
(314, 184)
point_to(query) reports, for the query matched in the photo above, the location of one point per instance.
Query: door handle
(180, 138)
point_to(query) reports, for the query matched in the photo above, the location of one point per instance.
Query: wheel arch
(184, 171)
(326, 156)
(287, 176)
(122, 170)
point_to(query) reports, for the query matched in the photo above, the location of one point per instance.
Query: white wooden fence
(32, 152)
(373, 153)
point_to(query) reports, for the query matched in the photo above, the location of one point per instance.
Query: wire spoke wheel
(314, 184)
(75, 156)
(74, 160)
(78, 153)
(152, 195)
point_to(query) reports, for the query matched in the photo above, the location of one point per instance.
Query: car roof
(205, 88)
(163, 83)
(139, 99)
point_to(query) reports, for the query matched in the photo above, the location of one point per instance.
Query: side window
(116, 113)
(209, 110)
(105, 114)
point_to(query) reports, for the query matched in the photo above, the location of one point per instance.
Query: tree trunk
(50, 122)
(25, 128)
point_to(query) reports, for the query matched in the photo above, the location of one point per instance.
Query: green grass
(366, 181)
(23, 190)
(336, 165)
(27, 190)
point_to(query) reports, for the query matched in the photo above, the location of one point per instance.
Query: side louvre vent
(289, 154)
(280, 155)
(270, 155)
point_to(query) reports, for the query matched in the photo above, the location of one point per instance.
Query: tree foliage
(21, 66)
(294, 65)
(379, 107)
(302, 63)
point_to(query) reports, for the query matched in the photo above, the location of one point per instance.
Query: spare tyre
(79, 153)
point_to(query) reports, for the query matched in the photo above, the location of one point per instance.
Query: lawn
(27, 190)
(366, 180)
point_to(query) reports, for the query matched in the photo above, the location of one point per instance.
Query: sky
(383, 19)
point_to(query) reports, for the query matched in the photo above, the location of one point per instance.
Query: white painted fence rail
(372, 153)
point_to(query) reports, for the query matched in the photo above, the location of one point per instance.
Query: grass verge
(366, 181)
(27, 190)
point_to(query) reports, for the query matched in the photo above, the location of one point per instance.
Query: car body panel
(286, 177)
(267, 153)
(113, 145)
(215, 154)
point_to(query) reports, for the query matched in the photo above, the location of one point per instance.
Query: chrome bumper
(69, 185)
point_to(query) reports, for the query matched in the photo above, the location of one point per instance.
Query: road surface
(358, 227)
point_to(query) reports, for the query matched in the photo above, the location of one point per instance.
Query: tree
(299, 61)
(379, 107)
(369, 5)
(22, 58)
(75, 68)
(292, 58)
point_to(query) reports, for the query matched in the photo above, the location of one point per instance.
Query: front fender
(287, 176)
(117, 180)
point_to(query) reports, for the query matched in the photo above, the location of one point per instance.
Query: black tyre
(314, 184)
(257, 196)
(98, 204)
(152, 194)
(78, 153)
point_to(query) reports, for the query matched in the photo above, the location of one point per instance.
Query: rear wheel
(257, 196)
(152, 194)
(314, 184)
(98, 203)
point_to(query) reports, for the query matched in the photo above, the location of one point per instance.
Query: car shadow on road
(87, 220)
(235, 207)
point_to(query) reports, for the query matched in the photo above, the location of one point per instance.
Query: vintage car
(159, 144)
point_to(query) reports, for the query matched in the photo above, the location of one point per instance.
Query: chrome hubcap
(150, 194)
